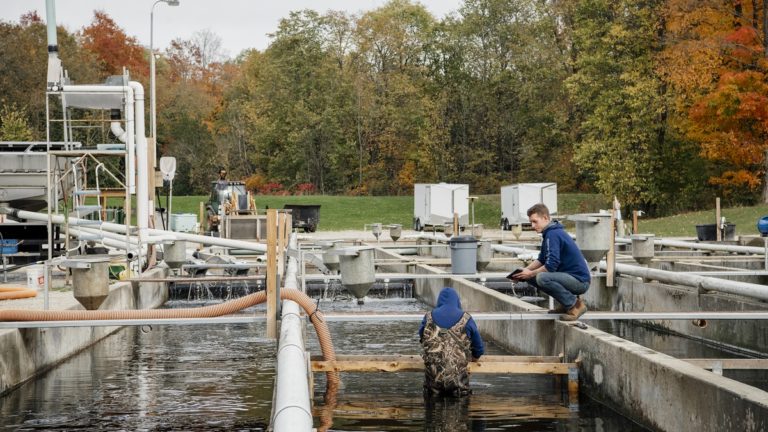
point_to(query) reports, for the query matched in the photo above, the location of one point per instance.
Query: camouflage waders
(446, 355)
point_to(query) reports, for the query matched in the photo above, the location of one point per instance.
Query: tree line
(661, 103)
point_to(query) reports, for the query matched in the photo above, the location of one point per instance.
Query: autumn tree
(625, 142)
(715, 62)
(399, 118)
(113, 47)
(23, 49)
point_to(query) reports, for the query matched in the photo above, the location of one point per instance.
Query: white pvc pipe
(142, 159)
(133, 250)
(118, 131)
(702, 282)
(292, 410)
(119, 228)
(523, 254)
(129, 122)
(703, 246)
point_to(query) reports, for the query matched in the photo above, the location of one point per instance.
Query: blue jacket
(560, 254)
(448, 312)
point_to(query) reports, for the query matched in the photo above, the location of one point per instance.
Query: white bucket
(36, 277)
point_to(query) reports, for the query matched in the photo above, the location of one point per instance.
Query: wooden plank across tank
(498, 364)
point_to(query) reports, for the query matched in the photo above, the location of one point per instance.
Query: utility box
(435, 204)
(518, 198)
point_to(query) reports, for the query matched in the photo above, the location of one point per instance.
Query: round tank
(91, 285)
(395, 231)
(376, 228)
(175, 254)
(593, 235)
(477, 231)
(357, 270)
(330, 260)
(642, 247)
(484, 254)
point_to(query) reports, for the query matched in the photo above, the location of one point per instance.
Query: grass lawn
(345, 212)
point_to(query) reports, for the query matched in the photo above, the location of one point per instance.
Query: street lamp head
(172, 2)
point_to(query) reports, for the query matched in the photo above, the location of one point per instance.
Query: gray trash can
(463, 254)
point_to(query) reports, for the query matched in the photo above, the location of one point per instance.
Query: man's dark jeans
(561, 286)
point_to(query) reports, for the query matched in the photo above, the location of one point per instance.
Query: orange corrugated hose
(232, 306)
(13, 293)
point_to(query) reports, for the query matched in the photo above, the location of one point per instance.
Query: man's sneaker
(575, 312)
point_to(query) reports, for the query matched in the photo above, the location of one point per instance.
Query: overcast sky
(241, 24)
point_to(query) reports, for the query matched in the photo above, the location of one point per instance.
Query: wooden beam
(391, 407)
(272, 274)
(416, 364)
(417, 357)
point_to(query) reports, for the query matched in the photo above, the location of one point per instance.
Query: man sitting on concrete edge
(560, 270)
(450, 339)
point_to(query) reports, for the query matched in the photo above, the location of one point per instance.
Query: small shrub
(305, 189)
(272, 188)
(255, 182)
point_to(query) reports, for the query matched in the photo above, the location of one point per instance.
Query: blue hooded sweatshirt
(448, 312)
(559, 253)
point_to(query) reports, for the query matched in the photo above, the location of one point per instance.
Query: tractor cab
(227, 197)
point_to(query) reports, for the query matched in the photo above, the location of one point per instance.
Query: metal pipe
(701, 282)
(54, 63)
(119, 228)
(702, 246)
(385, 317)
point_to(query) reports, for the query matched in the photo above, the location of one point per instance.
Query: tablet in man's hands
(514, 273)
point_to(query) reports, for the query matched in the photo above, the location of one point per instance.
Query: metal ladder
(81, 210)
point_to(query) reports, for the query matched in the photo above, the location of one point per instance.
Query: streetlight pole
(153, 98)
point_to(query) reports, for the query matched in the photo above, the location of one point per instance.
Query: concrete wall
(635, 295)
(27, 352)
(657, 390)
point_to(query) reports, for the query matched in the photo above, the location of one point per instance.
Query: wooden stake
(272, 273)
(634, 222)
(203, 222)
(717, 219)
(456, 224)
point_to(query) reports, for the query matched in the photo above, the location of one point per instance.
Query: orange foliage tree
(113, 47)
(715, 63)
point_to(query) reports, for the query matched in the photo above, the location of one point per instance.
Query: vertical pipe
(142, 162)
(50, 17)
(718, 234)
(54, 63)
